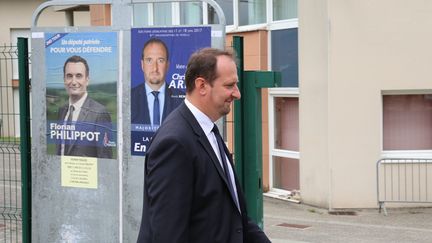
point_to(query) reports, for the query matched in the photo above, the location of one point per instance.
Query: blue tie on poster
(156, 112)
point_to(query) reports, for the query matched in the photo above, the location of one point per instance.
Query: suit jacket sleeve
(169, 181)
(253, 233)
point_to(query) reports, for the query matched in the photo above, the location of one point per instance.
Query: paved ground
(294, 223)
(290, 222)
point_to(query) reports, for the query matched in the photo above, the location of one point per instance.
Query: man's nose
(74, 80)
(154, 66)
(236, 93)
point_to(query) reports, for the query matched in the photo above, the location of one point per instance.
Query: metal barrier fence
(10, 159)
(403, 180)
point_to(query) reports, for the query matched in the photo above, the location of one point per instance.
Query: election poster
(159, 57)
(81, 94)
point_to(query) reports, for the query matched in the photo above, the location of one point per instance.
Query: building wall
(100, 15)
(349, 53)
(17, 14)
(16, 21)
(313, 102)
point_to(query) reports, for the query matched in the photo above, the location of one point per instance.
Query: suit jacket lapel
(61, 118)
(144, 109)
(208, 148)
(237, 185)
(62, 113)
(202, 138)
(85, 109)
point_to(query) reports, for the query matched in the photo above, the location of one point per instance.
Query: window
(183, 13)
(159, 14)
(284, 9)
(252, 12)
(286, 123)
(227, 7)
(407, 122)
(238, 13)
(284, 140)
(162, 14)
(285, 61)
(191, 13)
(285, 173)
(141, 14)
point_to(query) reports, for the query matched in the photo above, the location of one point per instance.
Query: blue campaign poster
(159, 57)
(81, 93)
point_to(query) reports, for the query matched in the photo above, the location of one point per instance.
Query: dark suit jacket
(139, 105)
(186, 198)
(93, 117)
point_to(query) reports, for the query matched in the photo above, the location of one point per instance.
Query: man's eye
(148, 61)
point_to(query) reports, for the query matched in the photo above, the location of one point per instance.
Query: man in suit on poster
(152, 100)
(191, 192)
(84, 113)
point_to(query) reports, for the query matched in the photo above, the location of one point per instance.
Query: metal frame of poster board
(119, 7)
(74, 214)
(65, 208)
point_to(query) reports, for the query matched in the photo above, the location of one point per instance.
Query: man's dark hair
(203, 64)
(155, 41)
(76, 59)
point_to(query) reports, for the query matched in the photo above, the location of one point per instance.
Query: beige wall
(17, 14)
(349, 52)
(313, 103)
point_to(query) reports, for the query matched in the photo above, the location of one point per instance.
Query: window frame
(417, 154)
(272, 94)
(269, 24)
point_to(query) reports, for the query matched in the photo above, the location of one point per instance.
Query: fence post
(24, 83)
(248, 132)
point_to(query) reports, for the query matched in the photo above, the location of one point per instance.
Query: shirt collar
(204, 121)
(149, 89)
(80, 102)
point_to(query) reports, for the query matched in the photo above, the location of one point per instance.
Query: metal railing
(10, 160)
(403, 180)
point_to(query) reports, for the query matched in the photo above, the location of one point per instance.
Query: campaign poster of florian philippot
(159, 57)
(81, 93)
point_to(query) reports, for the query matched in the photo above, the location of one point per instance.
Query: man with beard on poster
(152, 100)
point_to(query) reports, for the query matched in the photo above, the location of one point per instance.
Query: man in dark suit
(191, 192)
(90, 123)
(152, 100)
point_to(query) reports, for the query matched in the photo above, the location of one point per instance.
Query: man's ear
(201, 85)
(142, 65)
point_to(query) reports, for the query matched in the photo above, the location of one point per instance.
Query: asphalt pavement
(290, 222)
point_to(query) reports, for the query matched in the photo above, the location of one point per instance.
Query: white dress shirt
(77, 108)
